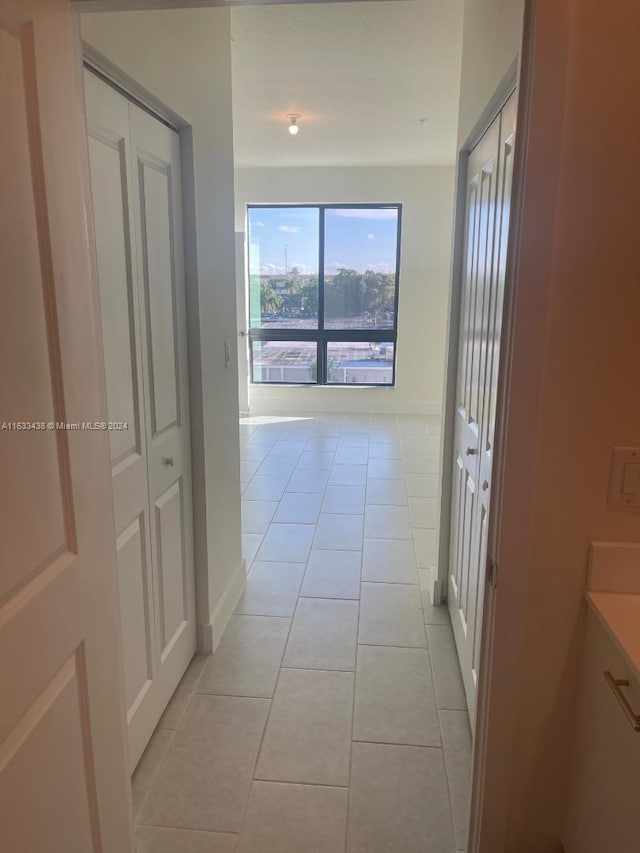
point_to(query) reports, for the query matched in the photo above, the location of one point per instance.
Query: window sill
(335, 387)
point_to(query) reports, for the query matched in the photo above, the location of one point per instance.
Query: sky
(357, 238)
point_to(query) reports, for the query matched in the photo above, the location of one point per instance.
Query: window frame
(321, 335)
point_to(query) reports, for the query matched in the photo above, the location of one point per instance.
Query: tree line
(348, 293)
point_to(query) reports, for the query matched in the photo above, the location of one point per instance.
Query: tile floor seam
(280, 668)
(353, 710)
(446, 776)
(396, 646)
(317, 669)
(212, 832)
(154, 775)
(398, 743)
(264, 728)
(297, 782)
(332, 597)
(444, 757)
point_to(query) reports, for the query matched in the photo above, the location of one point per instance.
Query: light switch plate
(624, 482)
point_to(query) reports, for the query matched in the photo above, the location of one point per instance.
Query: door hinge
(492, 573)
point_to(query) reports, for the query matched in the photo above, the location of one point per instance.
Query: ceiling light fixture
(293, 123)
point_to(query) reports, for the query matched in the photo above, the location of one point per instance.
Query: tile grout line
(355, 681)
(153, 778)
(444, 758)
(266, 723)
(403, 479)
(189, 697)
(400, 743)
(280, 668)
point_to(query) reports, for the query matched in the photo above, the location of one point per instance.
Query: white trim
(129, 87)
(210, 633)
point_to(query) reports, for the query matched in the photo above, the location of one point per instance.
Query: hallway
(332, 715)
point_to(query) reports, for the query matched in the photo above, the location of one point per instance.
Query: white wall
(492, 34)
(426, 194)
(183, 58)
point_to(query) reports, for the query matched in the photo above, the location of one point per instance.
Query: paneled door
(490, 170)
(63, 770)
(135, 177)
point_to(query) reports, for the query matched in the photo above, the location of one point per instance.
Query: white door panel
(107, 152)
(490, 168)
(134, 583)
(62, 750)
(157, 268)
(172, 576)
(158, 218)
(138, 225)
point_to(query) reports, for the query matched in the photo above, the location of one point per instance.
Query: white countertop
(619, 613)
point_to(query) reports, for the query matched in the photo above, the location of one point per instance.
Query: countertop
(619, 613)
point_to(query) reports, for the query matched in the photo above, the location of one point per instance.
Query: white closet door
(135, 174)
(63, 776)
(159, 243)
(490, 169)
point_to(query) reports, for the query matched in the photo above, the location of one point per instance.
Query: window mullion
(322, 354)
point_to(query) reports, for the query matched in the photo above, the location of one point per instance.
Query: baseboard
(436, 592)
(210, 634)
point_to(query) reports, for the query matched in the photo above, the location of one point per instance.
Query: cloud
(290, 229)
(371, 236)
(366, 213)
(380, 267)
(270, 269)
(258, 224)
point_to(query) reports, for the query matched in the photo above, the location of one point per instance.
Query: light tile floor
(332, 717)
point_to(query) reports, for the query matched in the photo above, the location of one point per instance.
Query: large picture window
(323, 293)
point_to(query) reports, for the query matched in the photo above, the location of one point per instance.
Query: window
(323, 293)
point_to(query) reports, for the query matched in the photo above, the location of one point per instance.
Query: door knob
(485, 485)
(471, 451)
(168, 461)
(242, 334)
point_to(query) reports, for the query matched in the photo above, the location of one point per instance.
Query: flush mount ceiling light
(293, 123)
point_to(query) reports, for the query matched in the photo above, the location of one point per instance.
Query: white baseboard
(210, 634)
(436, 593)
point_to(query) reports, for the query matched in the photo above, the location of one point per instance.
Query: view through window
(323, 293)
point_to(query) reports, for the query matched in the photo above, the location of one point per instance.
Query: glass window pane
(295, 362)
(360, 266)
(360, 363)
(283, 267)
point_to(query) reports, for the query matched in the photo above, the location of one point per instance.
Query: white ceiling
(360, 74)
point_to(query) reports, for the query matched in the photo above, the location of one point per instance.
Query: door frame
(496, 708)
(509, 82)
(111, 74)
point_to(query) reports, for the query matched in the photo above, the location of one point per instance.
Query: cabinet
(604, 795)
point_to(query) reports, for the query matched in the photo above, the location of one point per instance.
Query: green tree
(344, 294)
(309, 298)
(269, 300)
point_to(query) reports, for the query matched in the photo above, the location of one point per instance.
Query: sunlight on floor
(332, 716)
